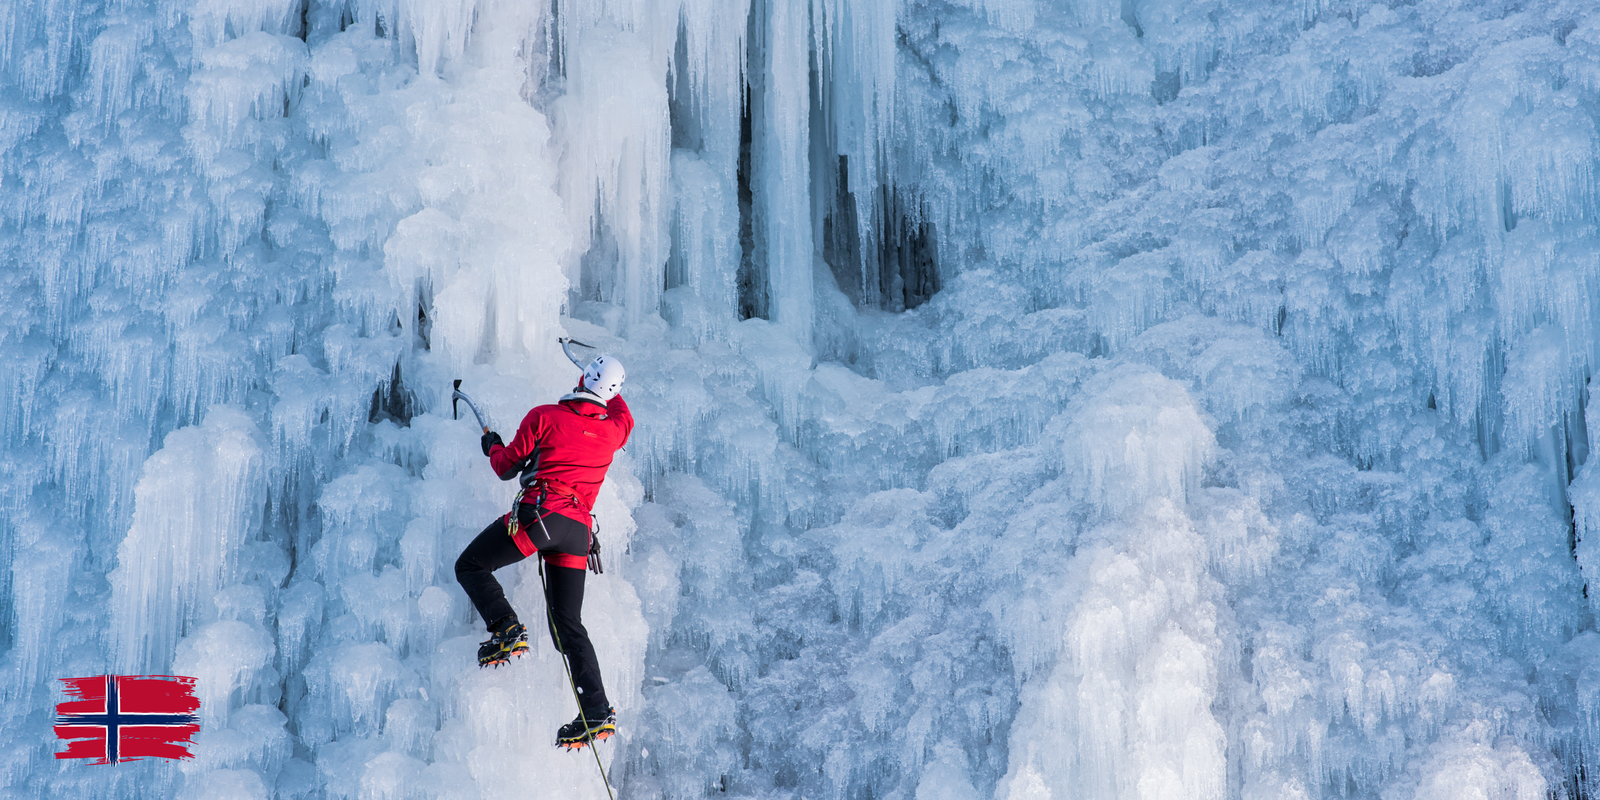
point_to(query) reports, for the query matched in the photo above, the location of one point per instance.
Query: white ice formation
(1153, 399)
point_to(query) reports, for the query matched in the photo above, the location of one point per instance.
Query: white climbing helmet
(603, 378)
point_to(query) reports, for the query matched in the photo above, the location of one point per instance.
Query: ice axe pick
(456, 397)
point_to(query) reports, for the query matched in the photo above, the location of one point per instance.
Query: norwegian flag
(118, 718)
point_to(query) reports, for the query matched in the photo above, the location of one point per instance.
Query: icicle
(223, 657)
(705, 234)
(41, 568)
(440, 30)
(1133, 437)
(780, 159)
(114, 63)
(212, 22)
(706, 239)
(245, 79)
(615, 120)
(1541, 381)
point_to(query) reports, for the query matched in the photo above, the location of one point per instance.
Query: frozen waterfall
(1036, 400)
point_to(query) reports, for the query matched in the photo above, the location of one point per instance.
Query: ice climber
(561, 451)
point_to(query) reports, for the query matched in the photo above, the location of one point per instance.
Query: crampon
(510, 641)
(589, 727)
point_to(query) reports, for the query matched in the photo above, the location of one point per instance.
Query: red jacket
(572, 444)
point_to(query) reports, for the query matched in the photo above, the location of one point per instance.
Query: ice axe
(455, 407)
(457, 395)
(566, 347)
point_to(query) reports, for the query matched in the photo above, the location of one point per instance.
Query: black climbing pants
(494, 549)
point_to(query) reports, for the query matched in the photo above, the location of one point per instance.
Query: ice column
(781, 162)
(615, 123)
(706, 238)
(714, 50)
(706, 220)
(1125, 711)
(856, 56)
(198, 500)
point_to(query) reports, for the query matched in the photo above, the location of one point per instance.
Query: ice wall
(1035, 399)
(259, 242)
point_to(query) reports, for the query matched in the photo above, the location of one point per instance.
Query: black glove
(490, 439)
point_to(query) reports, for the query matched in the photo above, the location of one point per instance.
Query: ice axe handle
(566, 348)
(457, 395)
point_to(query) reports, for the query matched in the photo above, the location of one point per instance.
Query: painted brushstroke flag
(116, 718)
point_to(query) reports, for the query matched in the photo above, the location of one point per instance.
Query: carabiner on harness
(513, 524)
(594, 550)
